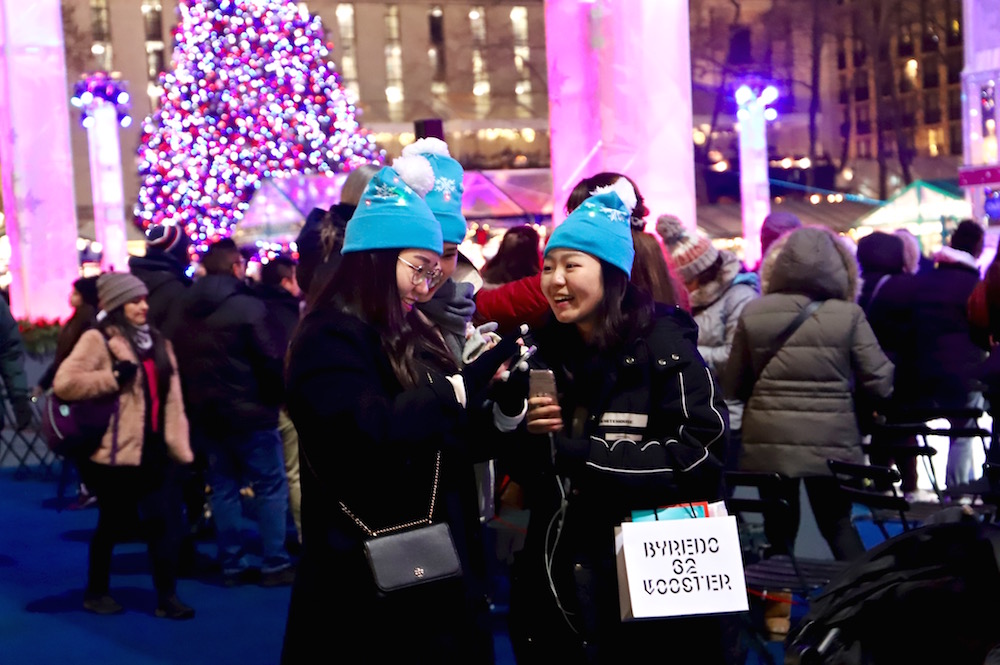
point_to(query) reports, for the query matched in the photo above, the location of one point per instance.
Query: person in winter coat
(231, 360)
(381, 411)
(83, 300)
(884, 298)
(937, 363)
(519, 255)
(636, 412)
(279, 289)
(322, 235)
(799, 406)
(132, 469)
(163, 271)
(719, 288)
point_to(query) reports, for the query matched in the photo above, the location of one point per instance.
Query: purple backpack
(75, 429)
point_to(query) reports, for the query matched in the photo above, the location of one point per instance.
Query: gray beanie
(114, 289)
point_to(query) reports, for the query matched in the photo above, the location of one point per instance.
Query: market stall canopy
(725, 220)
(280, 205)
(922, 201)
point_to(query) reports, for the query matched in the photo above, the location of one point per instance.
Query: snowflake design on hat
(446, 186)
(385, 191)
(617, 215)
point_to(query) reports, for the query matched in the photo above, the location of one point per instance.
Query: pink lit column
(620, 98)
(37, 167)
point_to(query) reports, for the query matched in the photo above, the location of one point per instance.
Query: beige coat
(86, 373)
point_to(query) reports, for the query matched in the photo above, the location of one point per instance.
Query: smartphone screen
(541, 382)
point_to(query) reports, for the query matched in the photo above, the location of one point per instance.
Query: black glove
(23, 412)
(510, 394)
(479, 373)
(124, 371)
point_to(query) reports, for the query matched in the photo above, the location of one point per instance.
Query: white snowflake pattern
(385, 191)
(445, 185)
(617, 215)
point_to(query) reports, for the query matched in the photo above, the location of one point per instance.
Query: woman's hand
(544, 415)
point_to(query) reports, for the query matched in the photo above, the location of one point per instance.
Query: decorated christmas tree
(251, 96)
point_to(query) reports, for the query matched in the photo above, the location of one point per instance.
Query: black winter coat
(283, 308)
(230, 357)
(937, 355)
(367, 442)
(164, 276)
(640, 420)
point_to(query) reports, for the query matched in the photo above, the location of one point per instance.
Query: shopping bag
(685, 567)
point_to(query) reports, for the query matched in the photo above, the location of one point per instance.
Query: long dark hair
(623, 311)
(364, 285)
(115, 322)
(649, 270)
(518, 256)
(82, 320)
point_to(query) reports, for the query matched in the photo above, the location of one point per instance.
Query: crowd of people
(382, 382)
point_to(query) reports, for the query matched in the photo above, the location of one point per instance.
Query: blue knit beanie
(600, 227)
(445, 200)
(392, 213)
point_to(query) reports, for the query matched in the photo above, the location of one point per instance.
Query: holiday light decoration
(96, 89)
(252, 96)
(103, 101)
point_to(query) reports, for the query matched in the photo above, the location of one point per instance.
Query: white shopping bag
(680, 568)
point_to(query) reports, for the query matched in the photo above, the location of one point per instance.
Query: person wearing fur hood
(799, 403)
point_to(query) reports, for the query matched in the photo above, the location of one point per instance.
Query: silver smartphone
(542, 382)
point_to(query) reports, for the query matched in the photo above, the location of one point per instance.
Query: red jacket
(512, 304)
(522, 301)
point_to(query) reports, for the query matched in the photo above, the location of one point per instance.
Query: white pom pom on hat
(416, 172)
(427, 146)
(623, 188)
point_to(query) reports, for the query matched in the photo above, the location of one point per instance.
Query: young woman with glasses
(383, 416)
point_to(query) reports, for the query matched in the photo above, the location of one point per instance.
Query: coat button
(674, 356)
(661, 362)
(629, 360)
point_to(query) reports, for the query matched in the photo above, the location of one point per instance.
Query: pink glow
(620, 99)
(35, 157)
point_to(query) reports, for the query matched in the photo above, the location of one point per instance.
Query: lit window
(480, 75)
(522, 54)
(436, 52)
(348, 60)
(393, 64)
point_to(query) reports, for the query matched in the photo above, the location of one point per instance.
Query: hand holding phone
(544, 414)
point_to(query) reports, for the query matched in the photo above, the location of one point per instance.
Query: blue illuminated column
(104, 105)
(755, 188)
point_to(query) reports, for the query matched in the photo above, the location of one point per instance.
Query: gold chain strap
(374, 533)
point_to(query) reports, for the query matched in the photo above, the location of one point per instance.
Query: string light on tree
(252, 96)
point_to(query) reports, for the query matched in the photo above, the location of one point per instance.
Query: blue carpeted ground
(43, 554)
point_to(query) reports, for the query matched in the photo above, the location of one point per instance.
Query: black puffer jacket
(230, 357)
(164, 276)
(367, 442)
(640, 421)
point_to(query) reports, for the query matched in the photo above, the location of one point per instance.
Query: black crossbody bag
(787, 333)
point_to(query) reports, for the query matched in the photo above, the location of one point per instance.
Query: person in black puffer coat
(230, 359)
(162, 270)
(322, 236)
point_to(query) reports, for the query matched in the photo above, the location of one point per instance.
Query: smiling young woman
(631, 428)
